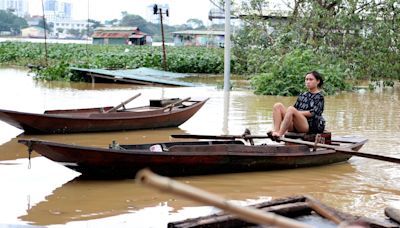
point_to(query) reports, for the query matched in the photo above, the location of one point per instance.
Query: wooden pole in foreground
(252, 215)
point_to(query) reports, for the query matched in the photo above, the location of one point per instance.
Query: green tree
(112, 22)
(350, 36)
(10, 22)
(93, 24)
(195, 23)
(74, 32)
(147, 27)
(49, 26)
(134, 21)
(361, 32)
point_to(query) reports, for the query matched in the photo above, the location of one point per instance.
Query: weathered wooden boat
(160, 113)
(189, 157)
(301, 208)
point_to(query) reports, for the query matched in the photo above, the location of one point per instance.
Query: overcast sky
(180, 10)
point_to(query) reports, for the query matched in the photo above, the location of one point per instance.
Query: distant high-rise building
(18, 7)
(57, 9)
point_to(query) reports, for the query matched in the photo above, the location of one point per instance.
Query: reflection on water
(50, 194)
(118, 197)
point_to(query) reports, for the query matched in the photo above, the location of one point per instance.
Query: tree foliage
(49, 25)
(195, 23)
(154, 29)
(12, 23)
(360, 37)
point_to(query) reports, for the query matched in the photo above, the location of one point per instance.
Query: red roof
(114, 34)
(111, 34)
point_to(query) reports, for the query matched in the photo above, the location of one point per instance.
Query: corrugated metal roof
(118, 34)
(145, 75)
(117, 29)
(136, 36)
(111, 34)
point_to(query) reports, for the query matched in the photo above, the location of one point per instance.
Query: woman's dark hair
(317, 76)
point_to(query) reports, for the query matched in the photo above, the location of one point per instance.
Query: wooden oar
(228, 137)
(393, 213)
(252, 215)
(170, 106)
(336, 148)
(123, 103)
(322, 210)
(343, 150)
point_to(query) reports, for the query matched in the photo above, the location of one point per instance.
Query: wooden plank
(393, 213)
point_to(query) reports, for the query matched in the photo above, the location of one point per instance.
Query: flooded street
(49, 194)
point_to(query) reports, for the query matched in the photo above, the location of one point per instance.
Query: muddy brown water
(49, 194)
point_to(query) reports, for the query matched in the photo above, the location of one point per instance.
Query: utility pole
(227, 46)
(159, 11)
(45, 31)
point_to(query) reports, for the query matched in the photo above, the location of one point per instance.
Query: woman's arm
(307, 114)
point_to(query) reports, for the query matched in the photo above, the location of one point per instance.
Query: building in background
(18, 7)
(205, 38)
(120, 36)
(58, 9)
(58, 14)
(33, 32)
(68, 28)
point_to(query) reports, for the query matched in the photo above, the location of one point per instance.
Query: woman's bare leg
(293, 119)
(278, 113)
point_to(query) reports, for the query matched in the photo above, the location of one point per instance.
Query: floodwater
(49, 194)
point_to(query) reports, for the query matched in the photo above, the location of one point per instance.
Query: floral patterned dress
(313, 102)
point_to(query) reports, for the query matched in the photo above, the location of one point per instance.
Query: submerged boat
(188, 157)
(304, 209)
(160, 113)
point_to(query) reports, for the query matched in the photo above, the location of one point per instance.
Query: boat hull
(92, 120)
(183, 160)
(304, 209)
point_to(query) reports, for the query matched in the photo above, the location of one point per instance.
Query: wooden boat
(188, 158)
(302, 208)
(160, 113)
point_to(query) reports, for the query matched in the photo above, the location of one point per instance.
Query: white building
(56, 9)
(65, 24)
(18, 7)
(58, 12)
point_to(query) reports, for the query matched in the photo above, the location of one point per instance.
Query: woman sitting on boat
(306, 114)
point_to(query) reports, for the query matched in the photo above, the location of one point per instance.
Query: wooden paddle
(344, 150)
(336, 148)
(322, 210)
(252, 215)
(227, 137)
(393, 213)
(170, 106)
(123, 103)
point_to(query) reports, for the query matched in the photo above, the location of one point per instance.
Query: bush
(285, 76)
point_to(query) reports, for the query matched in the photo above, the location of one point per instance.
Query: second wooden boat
(188, 158)
(160, 113)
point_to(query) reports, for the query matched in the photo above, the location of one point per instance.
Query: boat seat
(163, 102)
(326, 136)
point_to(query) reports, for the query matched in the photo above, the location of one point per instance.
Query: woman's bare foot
(273, 135)
(276, 134)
